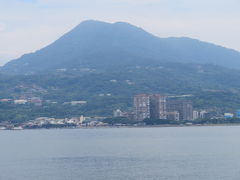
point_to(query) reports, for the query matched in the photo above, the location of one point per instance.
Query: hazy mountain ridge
(100, 45)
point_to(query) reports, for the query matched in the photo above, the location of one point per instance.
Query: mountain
(107, 64)
(99, 45)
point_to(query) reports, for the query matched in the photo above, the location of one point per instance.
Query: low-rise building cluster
(47, 122)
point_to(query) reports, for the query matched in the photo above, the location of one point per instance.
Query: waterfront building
(158, 106)
(173, 116)
(117, 113)
(195, 115)
(184, 108)
(150, 106)
(141, 103)
(199, 114)
(202, 114)
(228, 115)
(82, 119)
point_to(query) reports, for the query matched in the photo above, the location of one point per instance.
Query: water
(187, 153)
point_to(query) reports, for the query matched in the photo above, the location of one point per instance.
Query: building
(199, 114)
(238, 114)
(195, 115)
(228, 115)
(20, 101)
(173, 116)
(158, 106)
(184, 108)
(117, 113)
(73, 103)
(202, 114)
(150, 106)
(141, 103)
(82, 119)
(129, 115)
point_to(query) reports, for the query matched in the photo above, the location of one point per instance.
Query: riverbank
(126, 126)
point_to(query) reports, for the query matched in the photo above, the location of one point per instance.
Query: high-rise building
(184, 108)
(141, 103)
(195, 115)
(202, 114)
(173, 116)
(158, 106)
(199, 114)
(150, 106)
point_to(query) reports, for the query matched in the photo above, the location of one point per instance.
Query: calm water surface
(187, 153)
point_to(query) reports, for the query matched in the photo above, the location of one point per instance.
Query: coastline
(117, 127)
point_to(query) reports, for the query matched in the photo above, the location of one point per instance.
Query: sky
(29, 25)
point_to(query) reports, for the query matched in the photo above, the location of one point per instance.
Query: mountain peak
(91, 24)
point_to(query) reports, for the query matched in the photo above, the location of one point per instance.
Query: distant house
(20, 101)
(228, 115)
(35, 100)
(5, 100)
(73, 103)
(117, 113)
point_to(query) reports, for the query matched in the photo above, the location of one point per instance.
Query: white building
(117, 113)
(82, 119)
(228, 115)
(195, 115)
(199, 114)
(202, 114)
(20, 101)
(73, 103)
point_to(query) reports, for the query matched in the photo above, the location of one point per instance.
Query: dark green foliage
(212, 87)
(218, 121)
(119, 120)
(159, 122)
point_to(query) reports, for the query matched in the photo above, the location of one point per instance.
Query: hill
(99, 45)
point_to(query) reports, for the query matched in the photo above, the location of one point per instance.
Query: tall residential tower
(150, 106)
(185, 109)
(158, 107)
(141, 103)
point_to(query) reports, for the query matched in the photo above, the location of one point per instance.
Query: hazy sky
(28, 25)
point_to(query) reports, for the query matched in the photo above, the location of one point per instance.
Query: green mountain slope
(211, 87)
(100, 45)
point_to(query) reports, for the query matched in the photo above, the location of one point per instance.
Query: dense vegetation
(210, 87)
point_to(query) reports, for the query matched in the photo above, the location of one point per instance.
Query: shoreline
(147, 126)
